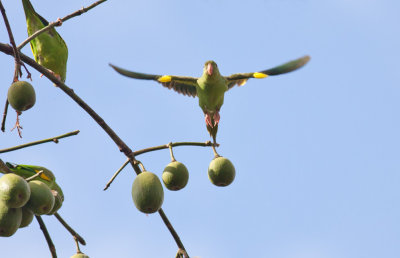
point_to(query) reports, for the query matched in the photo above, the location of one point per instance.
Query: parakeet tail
(31, 14)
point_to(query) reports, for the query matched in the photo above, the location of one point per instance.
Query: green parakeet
(211, 86)
(29, 170)
(49, 49)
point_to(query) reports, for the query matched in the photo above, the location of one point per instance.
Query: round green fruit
(175, 176)
(14, 190)
(27, 217)
(58, 198)
(79, 255)
(221, 171)
(10, 220)
(147, 192)
(42, 200)
(21, 96)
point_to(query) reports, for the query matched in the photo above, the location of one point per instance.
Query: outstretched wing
(181, 84)
(241, 78)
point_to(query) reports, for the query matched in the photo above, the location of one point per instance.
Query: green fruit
(221, 171)
(27, 217)
(58, 189)
(175, 176)
(42, 200)
(58, 198)
(79, 255)
(14, 190)
(147, 192)
(10, 219)
(21, 96)
(57, 203)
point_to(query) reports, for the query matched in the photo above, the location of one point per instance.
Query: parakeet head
(210, 69)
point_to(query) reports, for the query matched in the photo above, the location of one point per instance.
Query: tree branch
(53, 139)
(161, 147)
(117, 140)
(116, 174)
(3, 122)
(166, 146)
(47, 236)
(59, 22)
(17, 61)
(12, 42)
(70, 230)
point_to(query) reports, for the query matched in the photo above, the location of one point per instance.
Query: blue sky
(316, 151)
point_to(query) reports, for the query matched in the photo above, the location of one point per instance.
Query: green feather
(48, 49)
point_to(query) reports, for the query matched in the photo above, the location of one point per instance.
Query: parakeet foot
(208, 120)
(60, 22)
(17, 125)
(216, 118)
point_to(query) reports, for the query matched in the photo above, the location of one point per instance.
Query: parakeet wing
(241, 78)
(181, 84)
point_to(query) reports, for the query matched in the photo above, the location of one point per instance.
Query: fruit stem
(216, 155)
(141, 165)
(171, 152)
(181, 254)
(78, 250)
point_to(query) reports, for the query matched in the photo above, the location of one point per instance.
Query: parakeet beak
(210, 69)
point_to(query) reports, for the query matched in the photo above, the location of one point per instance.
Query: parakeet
(49, 49)
(211, 86)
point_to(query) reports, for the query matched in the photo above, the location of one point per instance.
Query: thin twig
(47, 236)
(70, 92)
(116, 174)
(4, 167)
(117, 140)
(70, 230)
(12, 41)
(17, 61)
(53, 139)
(35, 176)
(3, 122)
(59, 22)
(166, 146)
(174, 144)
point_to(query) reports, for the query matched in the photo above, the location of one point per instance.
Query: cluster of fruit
(148, 193)
(20, 199)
